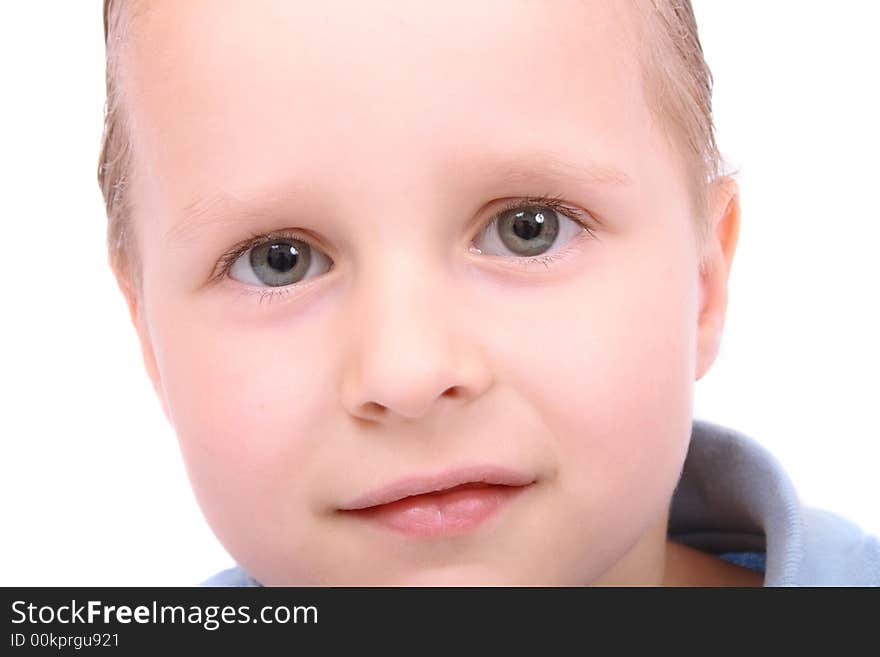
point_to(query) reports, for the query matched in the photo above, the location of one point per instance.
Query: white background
(92, 485)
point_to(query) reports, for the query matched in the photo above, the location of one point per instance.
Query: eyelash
(553, 202)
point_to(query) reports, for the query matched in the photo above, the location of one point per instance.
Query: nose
(416, 345)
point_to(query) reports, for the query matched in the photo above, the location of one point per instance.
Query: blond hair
(677, 81)
(115, 159)
(678, 85)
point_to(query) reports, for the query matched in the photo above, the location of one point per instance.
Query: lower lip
(447, 513)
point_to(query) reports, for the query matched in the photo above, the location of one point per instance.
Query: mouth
(440, 505)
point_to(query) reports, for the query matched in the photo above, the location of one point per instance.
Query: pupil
(526, 229)
(282, 257)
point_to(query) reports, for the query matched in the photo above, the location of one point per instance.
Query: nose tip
(393, 381)
(411, 405)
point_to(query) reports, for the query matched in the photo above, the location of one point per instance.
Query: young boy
(424, 289)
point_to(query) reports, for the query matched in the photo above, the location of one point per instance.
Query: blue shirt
(734, 500)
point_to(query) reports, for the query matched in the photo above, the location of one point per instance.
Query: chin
(451, 575)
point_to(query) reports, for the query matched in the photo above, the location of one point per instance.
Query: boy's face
(388, 136)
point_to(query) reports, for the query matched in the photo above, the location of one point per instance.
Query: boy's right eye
(278, 262)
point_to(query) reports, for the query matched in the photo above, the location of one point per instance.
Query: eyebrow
(224, 208)
(549, 165)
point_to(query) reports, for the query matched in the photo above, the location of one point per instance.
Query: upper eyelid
(554, 202)
(584, 217)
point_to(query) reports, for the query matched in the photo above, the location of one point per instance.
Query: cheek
(636, 373)
(614, 382)
(247, 410)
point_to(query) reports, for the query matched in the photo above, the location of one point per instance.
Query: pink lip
(419, 484)
(447, 503)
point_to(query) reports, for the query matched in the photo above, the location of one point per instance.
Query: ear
(722, 236)
(135, 304)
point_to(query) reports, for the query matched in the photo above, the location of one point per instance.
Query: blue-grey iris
(281, 262)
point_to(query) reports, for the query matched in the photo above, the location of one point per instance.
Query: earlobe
(724, 217)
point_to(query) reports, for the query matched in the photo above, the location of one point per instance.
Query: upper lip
(429, 483)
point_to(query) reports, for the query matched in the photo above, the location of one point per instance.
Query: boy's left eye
(530, 228)
(526, 229)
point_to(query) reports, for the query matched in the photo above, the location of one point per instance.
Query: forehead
(225, 95)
